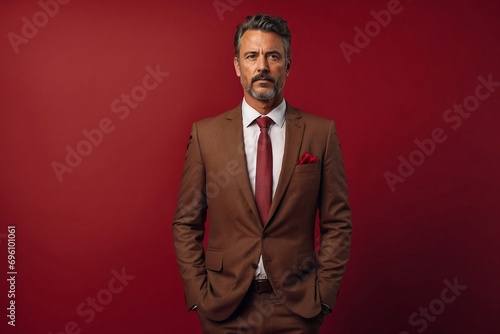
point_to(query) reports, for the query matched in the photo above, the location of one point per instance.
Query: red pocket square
(307, 158)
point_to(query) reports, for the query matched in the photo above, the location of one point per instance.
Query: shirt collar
(250, 114)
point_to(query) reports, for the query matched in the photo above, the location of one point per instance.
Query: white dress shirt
(251, 132)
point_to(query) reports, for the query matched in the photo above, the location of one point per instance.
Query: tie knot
(264, 122)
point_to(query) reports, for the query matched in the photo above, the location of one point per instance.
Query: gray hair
(265, 23)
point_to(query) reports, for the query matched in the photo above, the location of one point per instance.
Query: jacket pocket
(213, 260)
(308, 168)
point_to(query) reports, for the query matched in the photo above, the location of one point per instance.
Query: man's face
(262, 65)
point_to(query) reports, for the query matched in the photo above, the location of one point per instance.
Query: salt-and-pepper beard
(267, 95)
(264, 96)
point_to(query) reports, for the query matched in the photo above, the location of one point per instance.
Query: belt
(262, 286)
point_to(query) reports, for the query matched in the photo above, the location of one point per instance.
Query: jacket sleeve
(335, 222)
(189, 223)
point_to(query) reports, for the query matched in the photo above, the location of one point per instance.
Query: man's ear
(288, 66)
(237, 66)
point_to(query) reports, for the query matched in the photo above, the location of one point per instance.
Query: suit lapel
(293, 141)
(236, 152)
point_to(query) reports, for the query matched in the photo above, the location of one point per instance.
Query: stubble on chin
(264, 96)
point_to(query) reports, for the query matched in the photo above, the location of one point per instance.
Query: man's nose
(262, 65)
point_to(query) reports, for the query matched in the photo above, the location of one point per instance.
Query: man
(262, 171)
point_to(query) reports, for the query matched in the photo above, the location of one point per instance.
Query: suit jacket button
(265, 235)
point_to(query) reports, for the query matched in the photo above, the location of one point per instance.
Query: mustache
(263, 76)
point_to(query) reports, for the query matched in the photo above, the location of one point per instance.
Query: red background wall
(114, 210)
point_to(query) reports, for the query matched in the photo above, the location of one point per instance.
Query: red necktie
(264, 170)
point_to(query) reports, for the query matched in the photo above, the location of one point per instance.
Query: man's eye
(274, 56)
(250, 56)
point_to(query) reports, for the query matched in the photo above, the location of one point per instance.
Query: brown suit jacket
(215, 180)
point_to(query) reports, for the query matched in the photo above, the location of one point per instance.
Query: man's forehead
(259, 38)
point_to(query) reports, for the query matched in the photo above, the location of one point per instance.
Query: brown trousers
(262, 313)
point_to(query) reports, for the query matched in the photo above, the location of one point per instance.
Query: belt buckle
(257, 285)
